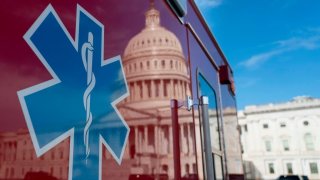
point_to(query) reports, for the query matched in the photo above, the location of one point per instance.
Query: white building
(280, 139)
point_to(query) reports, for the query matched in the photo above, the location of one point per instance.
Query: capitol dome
(154, 65)
(153, 38)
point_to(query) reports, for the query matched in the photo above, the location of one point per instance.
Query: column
(167, 140)
(181, 89)
(184, 89)
(188, 89)
(156, 139)
(153, 90)
(160, 150)
(171, 89)
(176, 92)
(138, 90)
(163, 140)
(136, 139)
(190, 148)
(170, 139)
(161, 95)
(126, 151)
(146, 138)
(176, 89)
(144, 90)
(135, 93)
(182, 138)
(140, 139)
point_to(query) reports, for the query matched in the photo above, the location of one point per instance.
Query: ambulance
(113, 89)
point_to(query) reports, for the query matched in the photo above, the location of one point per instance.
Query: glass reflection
(154, 61)
(206, 90)
(156, 71)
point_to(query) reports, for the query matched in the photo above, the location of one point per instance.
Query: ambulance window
(205, 89)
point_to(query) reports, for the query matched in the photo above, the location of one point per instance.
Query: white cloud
(208, 3)
(246, 82)
(310, 42)
(257, 59)
(293, 43)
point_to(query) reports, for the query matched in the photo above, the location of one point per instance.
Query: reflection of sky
(19, 66)
(206, 90)
(228, 100)
(116, 26)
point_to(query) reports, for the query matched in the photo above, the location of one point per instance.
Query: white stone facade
(281, 139)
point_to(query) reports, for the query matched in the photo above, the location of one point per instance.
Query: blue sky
(273, 46)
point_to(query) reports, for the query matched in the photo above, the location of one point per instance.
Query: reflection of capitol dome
(153, 38)
(154, 64)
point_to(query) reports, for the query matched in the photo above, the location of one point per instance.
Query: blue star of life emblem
(79, 102)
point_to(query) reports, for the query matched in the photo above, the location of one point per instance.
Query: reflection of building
(232, 141)
(282, 139)
(156, 72)
(17, 157)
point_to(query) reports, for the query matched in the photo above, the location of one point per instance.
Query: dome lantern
(152, 17)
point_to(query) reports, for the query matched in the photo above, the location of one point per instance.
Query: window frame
(266, 143)
(285, 144)
(308, 142)
(271, 168)
(289, 167)
(316, 167)
(265, 126)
